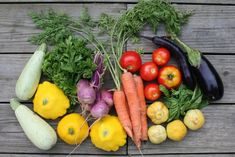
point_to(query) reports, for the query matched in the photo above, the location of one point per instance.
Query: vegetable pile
(75, 66)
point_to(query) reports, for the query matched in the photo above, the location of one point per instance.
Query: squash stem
(14, 104)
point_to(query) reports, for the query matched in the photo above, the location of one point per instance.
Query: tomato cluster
(167, 75)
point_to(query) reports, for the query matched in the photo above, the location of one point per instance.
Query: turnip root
(107, 97)
(99, 109)
(86, 95)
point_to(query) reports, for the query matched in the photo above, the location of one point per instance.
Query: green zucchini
(38, 131)
(29, 78)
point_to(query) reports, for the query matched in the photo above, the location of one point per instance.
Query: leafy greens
(67, 63)
(183, 99)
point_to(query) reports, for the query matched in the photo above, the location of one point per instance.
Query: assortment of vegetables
(75, 71)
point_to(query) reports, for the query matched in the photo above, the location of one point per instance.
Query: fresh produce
(27, 83)
(181, 58)
(183, 99)
(158, 112)
(85, 93)
(89, 94)
(130, 89)
(131, 61)
(176, 130)
(67, 63)
(107, 133)
(194, 119)
(152, 91)
(149, 71)
(209, 79)
(107, 97)
(40, 133)
(157, 134)
(73, 129)
(140, 91)
(161, 56)
(122, 110)
(99, 109)
(119, 29)
(50, 102)
(169, 76)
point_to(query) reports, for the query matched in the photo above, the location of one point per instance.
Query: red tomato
(161, 56)
(152, 92)
(131, 61)
(170, 76)
(149, 71)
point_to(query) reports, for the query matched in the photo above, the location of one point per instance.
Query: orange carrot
(130, 91)
(121, 107)
(140, 91)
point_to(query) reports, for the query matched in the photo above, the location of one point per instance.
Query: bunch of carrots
(130, 106)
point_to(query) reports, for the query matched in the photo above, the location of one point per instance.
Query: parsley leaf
(67, 63)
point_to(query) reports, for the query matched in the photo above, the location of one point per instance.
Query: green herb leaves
(183, 99)
(54, 25)
(67, 63)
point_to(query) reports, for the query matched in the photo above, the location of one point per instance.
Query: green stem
(14, 104)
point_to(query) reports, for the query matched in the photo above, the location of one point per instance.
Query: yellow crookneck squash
(108, 134)
(50, 102)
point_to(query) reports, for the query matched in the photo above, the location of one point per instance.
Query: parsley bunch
(67, 63)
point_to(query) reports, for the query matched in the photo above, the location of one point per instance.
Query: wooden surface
(211, 29)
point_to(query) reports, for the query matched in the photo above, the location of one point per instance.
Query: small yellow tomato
(194, 119)
(73, 129)
(158, 112)
(176, 130)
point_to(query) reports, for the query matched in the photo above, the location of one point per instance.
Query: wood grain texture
(210, 139)
(122, 1)
(16, 26)
(12, 65)
(162, 155)
(210, 29)
(216, 135)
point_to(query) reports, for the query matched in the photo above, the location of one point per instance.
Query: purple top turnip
(99, 109)
(86, 94)
(107, 97)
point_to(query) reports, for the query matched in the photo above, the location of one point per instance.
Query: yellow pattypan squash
(50, 101)
(158, 112)
(108, 133)
(73, 128)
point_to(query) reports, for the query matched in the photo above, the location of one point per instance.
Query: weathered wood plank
(14, 140)
(211, 29)
(216, 136)
(178, 155)
(11, 66)
(16, 26)
(123, 1)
